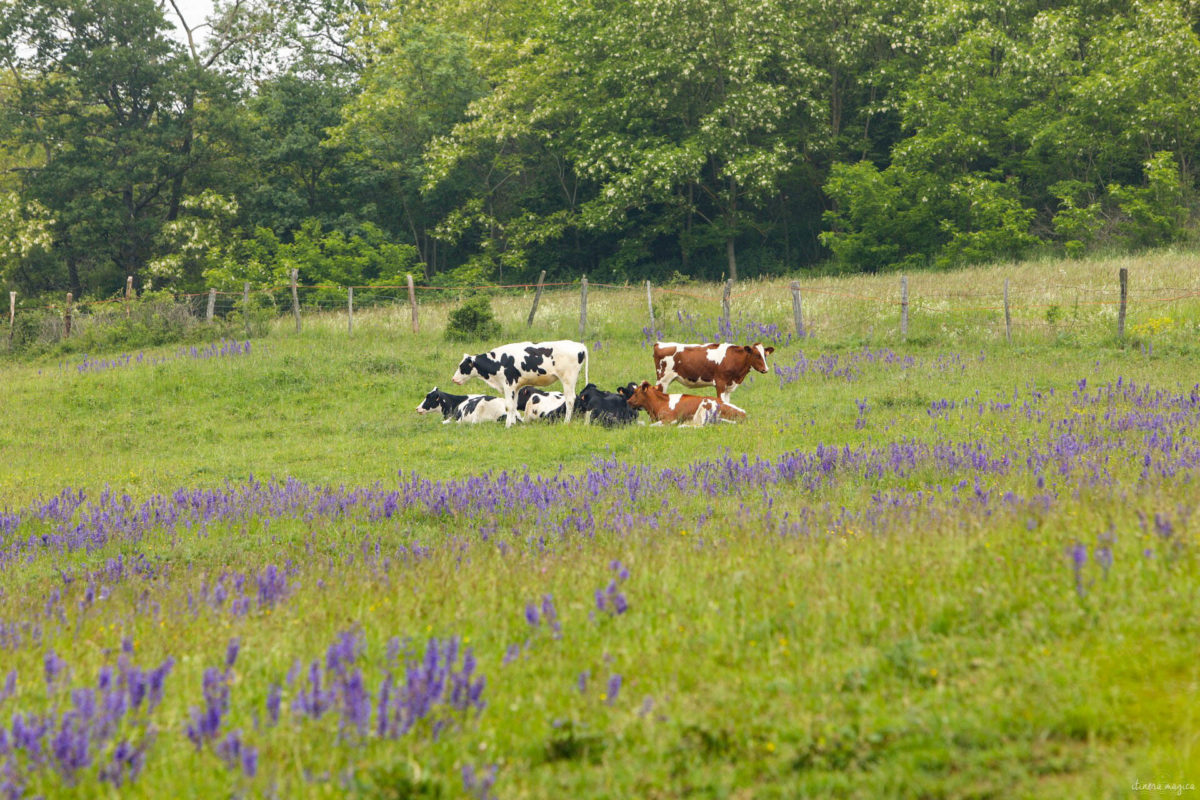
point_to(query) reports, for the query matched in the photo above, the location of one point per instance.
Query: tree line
(471, 142)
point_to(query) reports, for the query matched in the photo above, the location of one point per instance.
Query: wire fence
(722, 310)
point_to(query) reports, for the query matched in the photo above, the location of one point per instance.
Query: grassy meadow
(947, 565)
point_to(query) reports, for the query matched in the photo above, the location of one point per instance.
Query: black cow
(607, 408)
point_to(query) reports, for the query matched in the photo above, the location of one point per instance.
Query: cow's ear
(769, 350)
(748, 348)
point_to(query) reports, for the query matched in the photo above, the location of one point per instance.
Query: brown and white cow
(724, 365)
(672, 408)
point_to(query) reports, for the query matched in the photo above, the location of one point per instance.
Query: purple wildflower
(614, 688)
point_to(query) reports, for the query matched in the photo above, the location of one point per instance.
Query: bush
(472, 321)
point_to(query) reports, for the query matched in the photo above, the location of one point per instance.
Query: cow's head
(585, 398)
(432, 400)
(642, 396)
(758, 356)
(627, 390)
(523, 395)
(466, 369)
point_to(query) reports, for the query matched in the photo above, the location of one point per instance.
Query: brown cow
(724, 366)
(672, 408)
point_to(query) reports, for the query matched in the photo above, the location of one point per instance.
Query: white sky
(194, 11)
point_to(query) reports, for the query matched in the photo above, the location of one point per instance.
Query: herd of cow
(518, 371)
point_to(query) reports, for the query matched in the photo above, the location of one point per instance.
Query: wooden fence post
(128, 294)
(212, 305)
(1007, 315)
(725, 301)
(799, 318)
(67, 317)
(536, 297)
(246, 306)
(295, 299)
(650, 305)
(903, 307)
(412, 301)
(12, 317)
(583, 307)
(350, 311)
(1124, 276)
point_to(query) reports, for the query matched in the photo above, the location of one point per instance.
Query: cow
(462, 407)
(672, 408)
(607, 408)
(534, 403)
(511, 366)
(724, 366)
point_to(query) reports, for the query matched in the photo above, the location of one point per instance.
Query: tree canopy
(358, 139)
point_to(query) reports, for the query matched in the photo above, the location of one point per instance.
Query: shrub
(472, 321)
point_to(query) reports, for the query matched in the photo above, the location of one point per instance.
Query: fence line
(206, 305)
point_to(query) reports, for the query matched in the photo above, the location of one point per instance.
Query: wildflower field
(947, 566)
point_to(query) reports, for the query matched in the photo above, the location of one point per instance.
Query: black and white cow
(607, 408)
(534, 404)
(463, 407)
(511, 366)
(482, 408)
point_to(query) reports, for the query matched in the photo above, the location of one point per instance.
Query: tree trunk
(729, 242)
(185, 150)
(73, 276)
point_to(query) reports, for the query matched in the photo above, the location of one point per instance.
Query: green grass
(918, 650)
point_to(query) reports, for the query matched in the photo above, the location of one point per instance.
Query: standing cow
(511, 366)
(724, 366)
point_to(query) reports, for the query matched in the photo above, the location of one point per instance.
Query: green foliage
(989, 223)
(473, 321)
(484, 142)
(365, 258)
(882, 218)
(1075, 223)
(1154, 214)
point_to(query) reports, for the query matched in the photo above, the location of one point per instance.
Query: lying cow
(607, 408)
(511, 366)
(534, 404)
(724, 366)
(672, 408)
(463, 407)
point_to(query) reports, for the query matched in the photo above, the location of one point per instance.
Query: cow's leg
(568, 383)
(510, 404)
(666, 373)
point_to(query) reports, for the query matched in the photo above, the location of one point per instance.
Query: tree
(107, 96)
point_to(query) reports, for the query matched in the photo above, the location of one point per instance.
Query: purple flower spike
(54, 667)
(532, 616)
(274, 699)
(231, 653)
(614, 688)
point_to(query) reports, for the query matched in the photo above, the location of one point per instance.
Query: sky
(194, 11)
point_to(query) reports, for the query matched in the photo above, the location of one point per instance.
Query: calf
(663, 407)
(481, 408)
(444, 401)
(534, 404)
(511, 366)
(463, 407)
(607, 408)
(724, 366)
